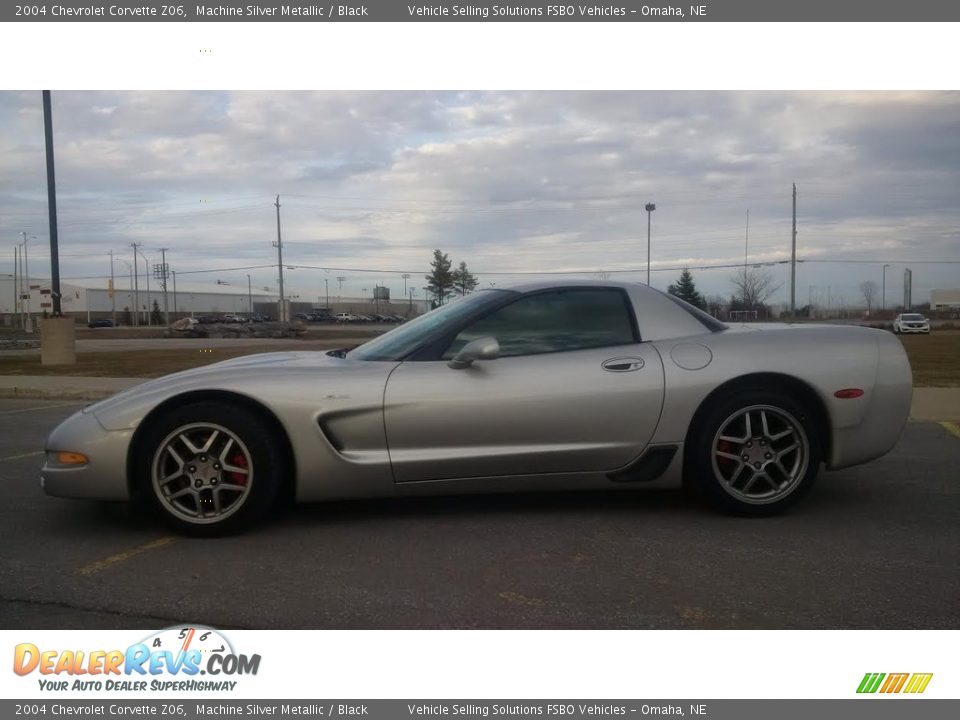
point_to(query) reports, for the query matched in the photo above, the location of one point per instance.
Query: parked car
(103, 323)
(911, 323)
(561, 385)
(345, 317)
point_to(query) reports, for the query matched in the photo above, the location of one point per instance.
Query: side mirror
(485, 348)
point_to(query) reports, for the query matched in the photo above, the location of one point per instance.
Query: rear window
(708, 321)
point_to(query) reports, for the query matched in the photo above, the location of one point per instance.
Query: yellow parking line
(24, 455)
(951, 428)
(39, 407)
(107, 562)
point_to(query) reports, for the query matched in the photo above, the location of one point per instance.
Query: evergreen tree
(127, 317)
(685, 289)
(156, 317)
(463, 280)
(440, 279)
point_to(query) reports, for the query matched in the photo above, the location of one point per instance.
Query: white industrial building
(91, 299)
(945, 299)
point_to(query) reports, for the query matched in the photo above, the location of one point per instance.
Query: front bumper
(104, 477)
(915, 328)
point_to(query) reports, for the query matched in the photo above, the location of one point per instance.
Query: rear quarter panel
(825, 358)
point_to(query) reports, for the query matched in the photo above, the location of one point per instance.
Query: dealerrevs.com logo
(169, 660)
(894, 683)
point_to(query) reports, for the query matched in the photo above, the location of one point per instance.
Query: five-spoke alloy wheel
(210, 468)
(754, 452)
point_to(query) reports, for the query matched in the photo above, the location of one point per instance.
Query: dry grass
(935, 358)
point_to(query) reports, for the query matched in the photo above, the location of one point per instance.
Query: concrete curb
(63, 388)
(54, 394)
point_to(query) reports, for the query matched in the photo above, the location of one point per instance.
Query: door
(574, 390)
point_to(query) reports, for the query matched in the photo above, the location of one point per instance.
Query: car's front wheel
(210, 468)
(755, 453)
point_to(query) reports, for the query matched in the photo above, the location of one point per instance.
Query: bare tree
(753, 286)
(868, 289)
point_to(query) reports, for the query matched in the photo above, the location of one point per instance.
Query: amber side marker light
(70, 458)
(848, 393)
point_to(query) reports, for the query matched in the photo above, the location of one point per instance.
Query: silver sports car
(548, 386)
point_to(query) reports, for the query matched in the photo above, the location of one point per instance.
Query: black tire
(258, 468)
(721, 481)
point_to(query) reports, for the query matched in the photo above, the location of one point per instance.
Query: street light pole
(883, 292)
(649, 207)
(26, 272)
(326, 287)
(249, 296)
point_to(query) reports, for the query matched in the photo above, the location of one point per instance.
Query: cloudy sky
(510, 182)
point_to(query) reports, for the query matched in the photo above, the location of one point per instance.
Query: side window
(557, 321)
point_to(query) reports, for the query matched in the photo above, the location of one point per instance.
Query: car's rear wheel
(210, 468)
(756, 452)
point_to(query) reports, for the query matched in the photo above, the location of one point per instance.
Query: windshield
(400, 342)
(912, 316)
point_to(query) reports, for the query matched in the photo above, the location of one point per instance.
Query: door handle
(622, 364)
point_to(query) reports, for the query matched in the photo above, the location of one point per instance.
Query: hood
(265, 377)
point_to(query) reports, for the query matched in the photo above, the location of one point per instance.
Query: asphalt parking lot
(871, 547)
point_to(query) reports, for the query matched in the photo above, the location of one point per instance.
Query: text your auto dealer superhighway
(103, 11)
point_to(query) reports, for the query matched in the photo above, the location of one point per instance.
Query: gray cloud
(513, 181)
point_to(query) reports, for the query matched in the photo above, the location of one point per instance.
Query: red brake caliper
(727, 447)
(237, 478)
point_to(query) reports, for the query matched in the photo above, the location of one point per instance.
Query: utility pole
(746, 245)
(136, 286)
(326, 287)
(405, 276)
(649, 207)
(249, 296)
(16, 284)
(163, 283)
(279, 246)
(113, 294)
(793, 258)
(175, 292)
(146, 270)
